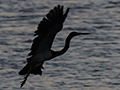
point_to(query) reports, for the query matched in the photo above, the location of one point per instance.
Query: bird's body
(41, 47)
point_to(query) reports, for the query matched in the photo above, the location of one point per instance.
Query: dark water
(91, 63)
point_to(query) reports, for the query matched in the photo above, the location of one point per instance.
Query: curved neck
(66, 47)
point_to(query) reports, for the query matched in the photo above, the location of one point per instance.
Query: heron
(41, 50)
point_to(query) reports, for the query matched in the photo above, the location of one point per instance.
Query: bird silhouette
(41, 47)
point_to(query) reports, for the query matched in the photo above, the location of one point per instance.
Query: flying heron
(41, 47)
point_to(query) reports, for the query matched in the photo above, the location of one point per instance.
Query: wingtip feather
(65, 15)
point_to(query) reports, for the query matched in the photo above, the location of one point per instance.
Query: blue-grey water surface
(91, 63)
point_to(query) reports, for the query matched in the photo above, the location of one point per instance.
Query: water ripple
(91, 63)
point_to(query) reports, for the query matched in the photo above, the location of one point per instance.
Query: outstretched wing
(45, 33)
(48, 28)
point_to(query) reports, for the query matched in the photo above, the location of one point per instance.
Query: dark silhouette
(41, 47)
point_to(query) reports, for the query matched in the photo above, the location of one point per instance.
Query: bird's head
(76, 33)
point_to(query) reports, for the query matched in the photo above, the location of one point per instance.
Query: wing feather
(47, 25)
(45, 33)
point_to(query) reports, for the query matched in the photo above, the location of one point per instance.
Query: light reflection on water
(91, 63)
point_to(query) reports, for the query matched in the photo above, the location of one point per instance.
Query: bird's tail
(27, 70)
(34, 70)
